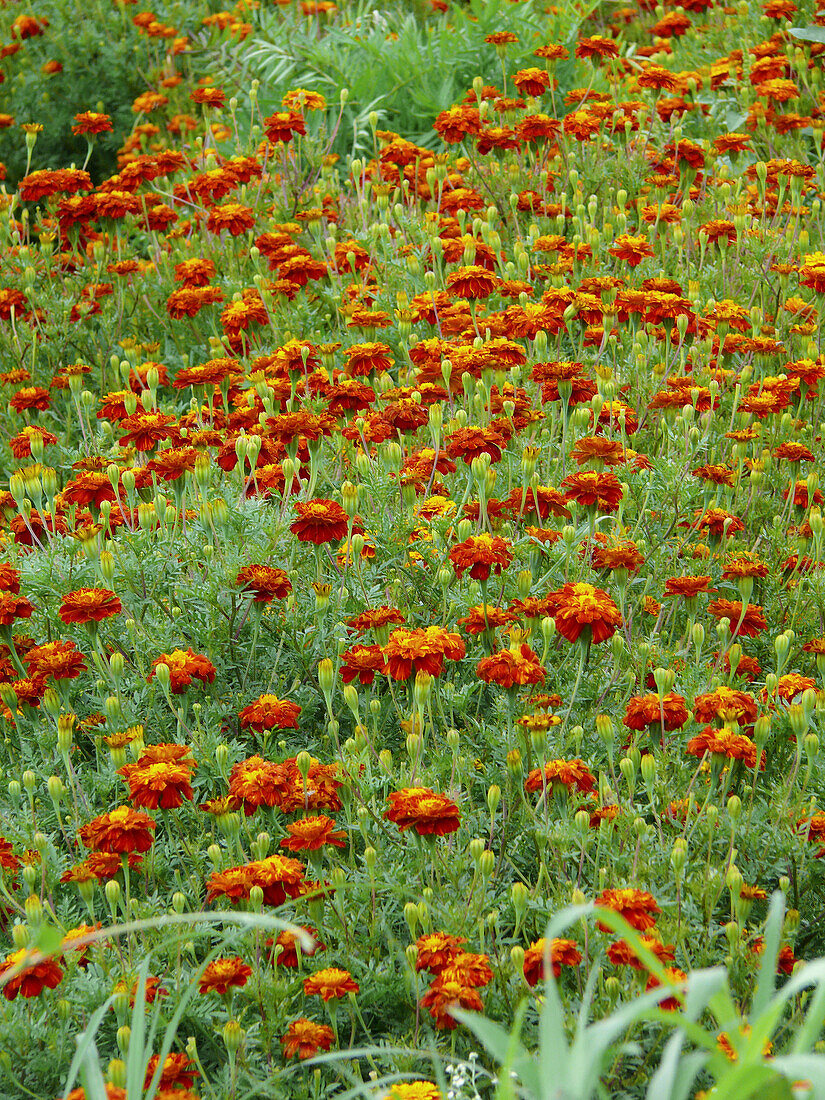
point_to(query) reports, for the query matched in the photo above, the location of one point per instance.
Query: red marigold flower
(420, 808)
(268, 712)
(9, 580)
(16, 977)
(727, 705)
(283, 125)
(184, 666)
(374, 619)
(675, 978)
(470, 969)
(648, 712)
(320, 521)
(472, 282)
(305, 1038)
(309, 834)
(290, 945)
(221, 975)
(752, 624)
(91, 122)
(231, 216)
(686, 587)
(591, 489)
(177, 1071)
(362, 661)
(597, 46)
(581, 607)
(511, 667)
(557, 774)
(330, 984)
(14, 607)
(631, 249)
(87, 605)
(161, 777)
(60, 660)
(724, 743)
(265, 582)
(636, 906)
(621, 953)
(562, 953)
(258, 782)
(481, 554)
(121, 831)
(144, 430)
(421, 650)
(436, 950)
(45, 182)
(533, 82)
(444, 995)
(31, 397)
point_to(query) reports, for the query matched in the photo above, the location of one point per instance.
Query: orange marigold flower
(436, 950)
(60, 660)
(723, 743)
(320, 521)
(581, 607)
(14, 607)
(221, 975)
(258, 782)
(178, 1071)
(16, 977)
(511, 667)
(591, 489)
(597, 46)
(646, 712)
(290, 945)
(469, 969)
(231, 216)
(726, 704)
(569, 775)
(562, 953)
(420, 808)
(636, 906)
(631, 249)
(481, 554)
(444, 995)
(121, 831)
(752, 623)
(330, 984)
(717, 522)
(305, 1038)
(161, 776)
(598, 450)
(268, 712)
(362, 661)
(675, 978)
(421, 650)
(533, 82)
(621, 953)
(472, 282)
(9, 580)
(184, 667)
(265, 582)
(86, 605)
(309, 834)
(686, 587)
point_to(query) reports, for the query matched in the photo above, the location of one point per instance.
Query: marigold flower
(621, 953)
(320, 521)
(648, 712)
(686, 587)
(309, 834)
(591, 489)
(231, 216)
(60, 660)
(636, 906)
(17, 978)
(268, 712)
(631, 249)
(753, 622)
(444, 995)
(290, 945)
(305, 1038)
(362, 661)
(470, 969)
(221, 975)
(481, 554)
(265, 582)
(580, 607)
(557, 774)
(726, 704)
(14, 607)
(258, 782)
(562, 953)
(724, 743)
(511, 667)
(161, 777)
(436, 950)
(421, 650)
(177, 1072)
(184, 667)
(122, 831)
(472, 282)
(674, 977)
(330, 984)
(415, 1090)
(420, 808)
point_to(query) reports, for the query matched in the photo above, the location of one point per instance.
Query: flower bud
(233, 1035)
(493, 797)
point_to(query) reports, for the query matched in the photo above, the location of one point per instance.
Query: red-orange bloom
(265, 582)
(305, 1038)
(636, 906)
(591, 489)
(511, 667)
(221, 975)
(86, 605)
(621, 953)
(362, 661)
(420, 808)
(727, 705)
(723, 743)
(14, 607)
(436, 950)
(311, 833)
(184, 667)
(752, 624)
(581, 606)
(268, 712)
(161, 777)
(444, 995)
(568, 774)
(330, 984)
(481, 554)
(421, 650)
(647, 711)
(121, 831)
(562, 953)
(320, 521)
(16, 977)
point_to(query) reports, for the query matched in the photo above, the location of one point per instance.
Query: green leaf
(808, 34)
